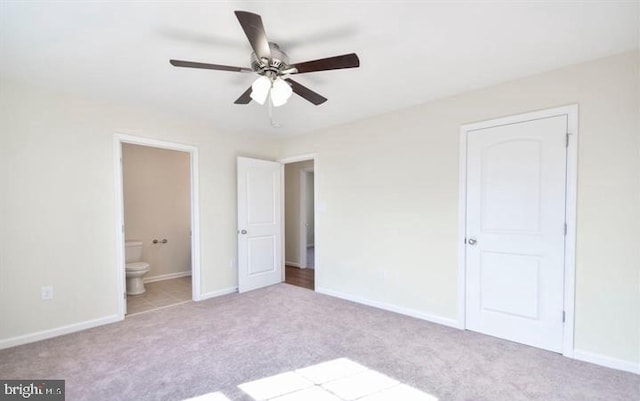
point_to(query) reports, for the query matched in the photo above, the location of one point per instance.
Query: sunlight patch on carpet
(336, 380)
(217, 396)
(274, 386)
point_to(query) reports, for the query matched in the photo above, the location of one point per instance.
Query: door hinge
(567, 143)
(564, 316)
(565, 229)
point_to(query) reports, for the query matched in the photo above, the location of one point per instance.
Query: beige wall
(389, 191)
(157, 205)
(292, 209)
(58, 209)
(388, 201)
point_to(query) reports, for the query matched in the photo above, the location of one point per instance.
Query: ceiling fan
(272, 65)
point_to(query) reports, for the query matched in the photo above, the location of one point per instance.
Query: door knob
(472, 241)
(243, 232)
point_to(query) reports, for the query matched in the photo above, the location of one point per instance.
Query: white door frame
(304, 182)
(571, 112)
(118, 140)
(294, 159)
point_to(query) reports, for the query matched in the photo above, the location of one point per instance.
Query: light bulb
(280, 92)
(260, 89)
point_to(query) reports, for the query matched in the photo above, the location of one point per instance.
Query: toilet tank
(132, 251)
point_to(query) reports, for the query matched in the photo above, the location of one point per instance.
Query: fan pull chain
(274, 124)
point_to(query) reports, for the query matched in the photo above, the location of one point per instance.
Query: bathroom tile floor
(160, 294)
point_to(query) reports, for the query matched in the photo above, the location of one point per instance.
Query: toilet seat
(137, 266)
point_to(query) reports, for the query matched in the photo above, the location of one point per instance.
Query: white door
(515, 230)
(259, 224)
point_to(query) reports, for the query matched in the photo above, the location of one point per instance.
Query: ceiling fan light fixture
(260, 89)
(280, 92)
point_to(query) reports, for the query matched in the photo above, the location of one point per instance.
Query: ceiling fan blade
(245, 98)
(252, 25)
(330, 63)
(206, 66)
(306, 93)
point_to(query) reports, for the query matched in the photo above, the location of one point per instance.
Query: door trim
(316, 222)
(118, 140)
(571, 111)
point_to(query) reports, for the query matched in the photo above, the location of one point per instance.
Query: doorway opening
(299, 228)
(157, 248)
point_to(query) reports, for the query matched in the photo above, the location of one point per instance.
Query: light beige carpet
(219, 344)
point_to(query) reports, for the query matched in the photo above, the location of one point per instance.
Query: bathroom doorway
(299, 229)
(156, 187)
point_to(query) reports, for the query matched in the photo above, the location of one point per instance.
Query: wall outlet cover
(46, 293)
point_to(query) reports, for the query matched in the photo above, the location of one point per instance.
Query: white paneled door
(515, 231)
(259, 224)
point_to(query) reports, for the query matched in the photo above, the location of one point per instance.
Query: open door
(259, 224)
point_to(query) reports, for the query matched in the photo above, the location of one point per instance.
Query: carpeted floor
(219, 344)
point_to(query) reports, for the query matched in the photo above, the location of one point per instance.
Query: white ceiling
(410, 51)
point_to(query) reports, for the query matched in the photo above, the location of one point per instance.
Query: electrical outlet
(46, 293)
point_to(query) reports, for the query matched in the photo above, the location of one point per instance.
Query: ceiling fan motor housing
(279, 61)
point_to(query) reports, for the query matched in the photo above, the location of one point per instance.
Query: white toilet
(135, 268)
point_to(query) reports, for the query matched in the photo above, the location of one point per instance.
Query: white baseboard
(218, 293)
(606, 361)
(298, 265)
(58, 331)
(392, 308)
(166, 276)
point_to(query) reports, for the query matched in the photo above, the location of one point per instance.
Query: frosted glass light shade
(260, 89)
(280, 93)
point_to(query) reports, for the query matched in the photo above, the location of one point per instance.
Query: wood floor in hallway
(299, 277)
